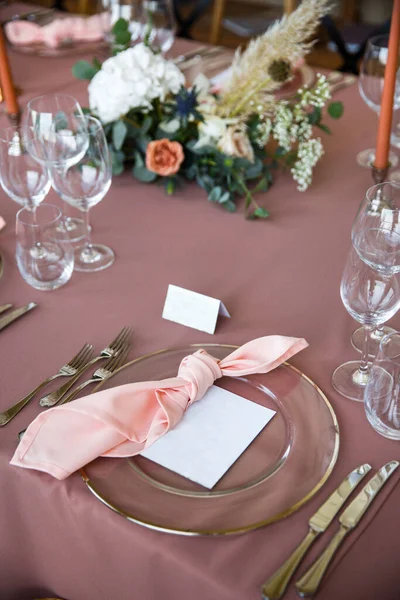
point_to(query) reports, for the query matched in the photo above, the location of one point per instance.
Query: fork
(68, 370)
(111, 350)
(101, 373)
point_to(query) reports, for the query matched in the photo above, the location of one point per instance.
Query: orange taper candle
(6, 81)
(389, 84)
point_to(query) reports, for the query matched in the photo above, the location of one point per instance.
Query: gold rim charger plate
(286, 464)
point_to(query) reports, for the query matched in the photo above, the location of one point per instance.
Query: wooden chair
(219, 10)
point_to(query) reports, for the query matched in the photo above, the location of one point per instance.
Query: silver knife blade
(15, 314)
(324, 516)
(353, 513)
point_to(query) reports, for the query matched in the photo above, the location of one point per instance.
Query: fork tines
(79, 359)
(118, 360)
(120, 340)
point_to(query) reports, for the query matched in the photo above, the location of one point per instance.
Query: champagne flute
(83, 185)
(371, 298)
(158, 24)
(370, 84)
(56, 146)
(379, 210)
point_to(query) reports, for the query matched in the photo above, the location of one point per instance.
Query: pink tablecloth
(279, 276)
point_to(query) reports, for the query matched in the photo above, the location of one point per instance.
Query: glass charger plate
(284, 467)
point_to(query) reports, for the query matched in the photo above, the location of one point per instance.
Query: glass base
(395, 177)
(358, 337)
(349, 382)
(76, 228)
(95, 258)
(382, 428)
(366, 158)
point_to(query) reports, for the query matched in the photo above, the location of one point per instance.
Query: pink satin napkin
(122, 421)
(82, 29)
(2, 223)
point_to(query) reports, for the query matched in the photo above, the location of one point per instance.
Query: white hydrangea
(132, 79)
(309, 153)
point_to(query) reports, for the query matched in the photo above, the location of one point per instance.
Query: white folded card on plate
(212, 435)
(193, 309)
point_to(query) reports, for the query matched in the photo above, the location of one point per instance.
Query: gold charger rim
(230, 531)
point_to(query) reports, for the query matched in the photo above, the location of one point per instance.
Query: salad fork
(101, 373)
(68, 370)
(109, 351)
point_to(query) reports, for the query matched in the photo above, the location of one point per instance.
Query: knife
(276, 585)
(5, 307)
(309, 583)
(15, 314)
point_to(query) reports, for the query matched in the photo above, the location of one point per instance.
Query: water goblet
(55, 135)
(370, 84)
(158, 24)
(379, 210)
(83, 185)
(23, 179)
(50, 266)
(382, 392)
(371, 298)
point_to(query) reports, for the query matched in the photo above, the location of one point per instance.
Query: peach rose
(164, 157)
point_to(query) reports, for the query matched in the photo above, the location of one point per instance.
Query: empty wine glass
(371, 298)
(51, 266)
(23, 179)
(380, 210)
(84, 185)
(55, 135)
(370, 84)
(158, 24)
(382, 392)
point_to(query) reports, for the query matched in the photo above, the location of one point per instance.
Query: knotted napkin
(122, 421)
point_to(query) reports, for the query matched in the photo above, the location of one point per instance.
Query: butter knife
(5, 307)
(15, 314)
(309, 583)
(276, 585)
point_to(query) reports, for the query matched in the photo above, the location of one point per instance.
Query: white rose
(235, 142)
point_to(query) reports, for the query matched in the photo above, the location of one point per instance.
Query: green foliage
(86, 70)
(335, 110)
(121, 36)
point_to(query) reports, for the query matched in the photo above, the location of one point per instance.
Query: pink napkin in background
(122, 421)
(82, 29)
(2, 223)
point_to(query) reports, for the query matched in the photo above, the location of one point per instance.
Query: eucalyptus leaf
(119, 133)
(84, 70)
(335, 110)
(122, 38)
(224, 198)
(261, 213)
(315, 116)
(143, 174)
(215, 194)
(120, 26)
(229, 206)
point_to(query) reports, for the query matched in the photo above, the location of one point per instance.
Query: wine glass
(370, 84)
(382, 392)
(158, 24)
(23, 179)
(371, 298)
(55, 135)
(380, 210)
(84, 185)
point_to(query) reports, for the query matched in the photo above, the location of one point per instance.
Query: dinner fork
(68, 370)
(111, 350)
(101, 373)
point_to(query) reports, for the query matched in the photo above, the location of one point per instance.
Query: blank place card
(192, 309)
(212, 435)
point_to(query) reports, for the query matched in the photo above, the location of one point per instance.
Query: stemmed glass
(380, 210)
(370, 84)
(23, 179)
(158, 24)
(84, 185)
(55, 135)
(371, 297)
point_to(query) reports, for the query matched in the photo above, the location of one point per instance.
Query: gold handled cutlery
(109, 351)
(15, 314)
(5, 307)
(67, 370)
(276, 585)
(309, 583)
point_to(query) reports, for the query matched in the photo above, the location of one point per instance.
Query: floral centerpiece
(228, 141)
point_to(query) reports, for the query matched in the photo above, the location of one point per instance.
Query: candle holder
(379, 175)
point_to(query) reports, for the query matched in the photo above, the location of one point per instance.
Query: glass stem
(363, 368)
(88, 242)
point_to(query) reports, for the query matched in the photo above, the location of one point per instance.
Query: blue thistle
(185, 106)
